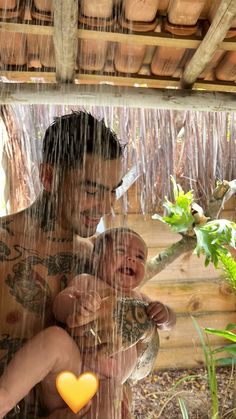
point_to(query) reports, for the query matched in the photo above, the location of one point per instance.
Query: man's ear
(46, 172)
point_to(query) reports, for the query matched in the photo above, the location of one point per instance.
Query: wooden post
(210, 44)
(65, 39)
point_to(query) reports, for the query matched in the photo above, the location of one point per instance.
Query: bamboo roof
(136, 43)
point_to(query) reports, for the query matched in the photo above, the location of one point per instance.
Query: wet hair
(109, 237)
(70, 136)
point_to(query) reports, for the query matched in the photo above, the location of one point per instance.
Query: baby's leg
(43, 357)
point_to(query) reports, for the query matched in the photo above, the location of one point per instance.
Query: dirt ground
(157, 395)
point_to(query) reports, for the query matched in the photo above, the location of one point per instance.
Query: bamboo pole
(21, 93)
(211, 43)
(65, 38)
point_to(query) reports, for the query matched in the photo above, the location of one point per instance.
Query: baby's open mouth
(127, 271)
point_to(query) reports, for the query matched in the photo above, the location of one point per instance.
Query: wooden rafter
(65, 38)
(21, 93)
(115, 80)
(211, 43)
(150, 38)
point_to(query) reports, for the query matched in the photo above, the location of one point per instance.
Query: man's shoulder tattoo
(5, 225)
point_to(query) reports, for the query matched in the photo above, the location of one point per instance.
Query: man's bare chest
(33, 271)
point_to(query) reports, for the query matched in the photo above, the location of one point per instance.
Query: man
(39, 247)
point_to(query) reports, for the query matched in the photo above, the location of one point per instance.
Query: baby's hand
(158, 312)
(88, 302)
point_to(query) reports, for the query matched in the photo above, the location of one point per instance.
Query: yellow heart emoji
(76, 392)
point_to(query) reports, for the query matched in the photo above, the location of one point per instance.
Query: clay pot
(92, 54)
(99, 9)
(208, 73)
(33, 59)
(10, 9)
(140, 10)
(185, 12)
(13, 48)
(8, 5)
(42, 10)
(226, 70)
(43, 5)
(178, 29)
(129, 57)
(46, 51)
(166, 60)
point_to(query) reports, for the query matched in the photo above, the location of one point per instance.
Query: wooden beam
(150, 38)
(65, 39)
(101, 95)
(122, 81)
(211, 43)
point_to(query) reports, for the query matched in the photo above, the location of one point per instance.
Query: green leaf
(231, 326)
(231, 349)
(183, 408)
(179, 215)
(226, 361)
(211, 240)
(223, 333)
(229, 267)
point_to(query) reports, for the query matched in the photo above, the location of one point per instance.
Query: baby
(113, 328)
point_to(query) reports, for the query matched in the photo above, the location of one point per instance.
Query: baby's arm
(79, 297)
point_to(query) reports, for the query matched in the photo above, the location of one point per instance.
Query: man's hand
(162, 315)
(88, 303)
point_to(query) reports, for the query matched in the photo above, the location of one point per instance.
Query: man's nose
(104, 205)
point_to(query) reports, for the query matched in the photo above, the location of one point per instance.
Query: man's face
(123, 263)
(88, 193)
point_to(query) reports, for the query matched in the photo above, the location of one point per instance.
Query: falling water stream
(197, 148)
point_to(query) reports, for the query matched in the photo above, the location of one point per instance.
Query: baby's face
(123, 265)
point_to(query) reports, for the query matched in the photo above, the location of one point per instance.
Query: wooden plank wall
(189, 288)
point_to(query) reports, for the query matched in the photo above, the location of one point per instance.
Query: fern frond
(229, 267)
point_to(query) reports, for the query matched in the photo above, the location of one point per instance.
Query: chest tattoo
(28, 287)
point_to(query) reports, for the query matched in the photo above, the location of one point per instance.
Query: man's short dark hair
(70, 136)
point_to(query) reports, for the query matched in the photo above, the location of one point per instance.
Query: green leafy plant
(183, 408)
(211, 371)
(212, 237)
(179, 215)
(230, 349)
